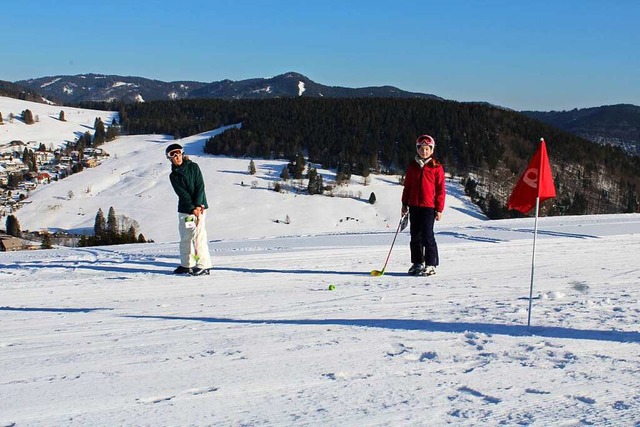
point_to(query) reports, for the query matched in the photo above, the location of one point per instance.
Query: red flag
(536, 181)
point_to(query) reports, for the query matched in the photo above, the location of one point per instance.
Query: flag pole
(533, 261)
(535, 234)
(537, 180)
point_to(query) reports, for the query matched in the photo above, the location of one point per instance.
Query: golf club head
(376, 273)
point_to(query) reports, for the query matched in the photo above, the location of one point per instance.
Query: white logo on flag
(531, 177)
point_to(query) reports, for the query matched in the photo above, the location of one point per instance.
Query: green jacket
(188, 184)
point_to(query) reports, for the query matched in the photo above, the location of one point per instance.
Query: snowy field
(48, 129)
(107, 336)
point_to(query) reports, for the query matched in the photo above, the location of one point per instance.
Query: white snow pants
(194, 246)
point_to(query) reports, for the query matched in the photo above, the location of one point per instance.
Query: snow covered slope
(48, 130)
(107, 336)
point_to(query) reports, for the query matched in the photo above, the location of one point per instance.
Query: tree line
(488, 145)
(110, 231)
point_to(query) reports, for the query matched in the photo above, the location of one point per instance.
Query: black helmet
(173, 147)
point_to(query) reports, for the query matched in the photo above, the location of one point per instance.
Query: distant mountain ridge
(99, 87)
(617, 125)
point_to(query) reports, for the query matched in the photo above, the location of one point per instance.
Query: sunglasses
(174, 153)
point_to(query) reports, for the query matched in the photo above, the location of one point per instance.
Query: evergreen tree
(1, 121)
(291, 168)
(343, 175)
(141, 238)
(296, 166)
(470, 189)
(312, 176)
(315, 182)
(99, 226)
(252, 167)
(80, 165)
(632, 201)
(100, 136)
(578, 205)
(494, 209)
(112, 223)
(372, 198)
(27, 116)
(33, 162)
(13, 226)
(300, 165)
(87, 140)
(84, 141)
(14, 180)
(46, 241)
(61, 116)
(112, 132)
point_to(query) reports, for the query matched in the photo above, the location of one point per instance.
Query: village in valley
(26, 165)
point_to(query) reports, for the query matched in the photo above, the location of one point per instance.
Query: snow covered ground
(107, 336)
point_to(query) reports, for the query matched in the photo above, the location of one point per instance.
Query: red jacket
(424, 186)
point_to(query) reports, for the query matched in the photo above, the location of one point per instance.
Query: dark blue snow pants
(423, 242)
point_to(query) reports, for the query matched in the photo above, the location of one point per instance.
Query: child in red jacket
(423, 196)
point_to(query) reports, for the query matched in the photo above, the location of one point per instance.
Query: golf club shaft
(393, 242)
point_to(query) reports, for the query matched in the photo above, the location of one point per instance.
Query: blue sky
(539, 55)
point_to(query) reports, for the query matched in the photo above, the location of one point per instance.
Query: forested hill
(617, 125)
(489, 146)
(16, 91)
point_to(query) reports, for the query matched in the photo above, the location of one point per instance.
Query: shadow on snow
(432, 326)
(53, 310)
